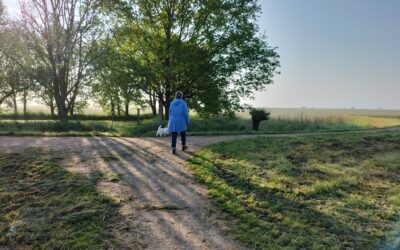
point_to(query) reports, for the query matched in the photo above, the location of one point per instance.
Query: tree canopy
(124, 52)
(211, 50)
(62, 36)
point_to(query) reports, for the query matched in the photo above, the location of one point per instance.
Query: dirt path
(163, 207)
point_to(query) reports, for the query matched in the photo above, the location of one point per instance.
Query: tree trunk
(60, 97)
(72, 107)
(119, 107)
(52, 108)
(112, 113)
(25, 100)
(72, 104)
(138, 117)
(256, 125)
(167, 104)
(127, 109)
(168, 61)
(153, 103)
(15, 105)
(160, 110)
(112, 107)
(61, 109)
(62, 112)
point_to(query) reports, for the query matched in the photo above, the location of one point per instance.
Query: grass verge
(215, 125)
(42, 206)
(306, 192)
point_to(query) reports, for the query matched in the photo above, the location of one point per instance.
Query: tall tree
(211, 50)
(62, 34)
(44, 90)
(118, 81)
(13, 80)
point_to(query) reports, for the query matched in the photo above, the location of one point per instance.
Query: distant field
(275, 112)
(282, 120)
(297, 113)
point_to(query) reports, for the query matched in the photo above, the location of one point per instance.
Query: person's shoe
(184, 148)
(174, 151)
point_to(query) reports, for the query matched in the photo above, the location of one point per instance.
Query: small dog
(162, 131)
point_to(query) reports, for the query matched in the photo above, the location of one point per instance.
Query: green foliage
(43, 206)
(126, 126)
(116, 82)
(54, 127)
(310, 192)
(13, 80)
(211, 50)
(257, 116)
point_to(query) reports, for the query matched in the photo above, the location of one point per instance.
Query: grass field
(42, 124)
(297, 113)
(307, 192)
(43, 206)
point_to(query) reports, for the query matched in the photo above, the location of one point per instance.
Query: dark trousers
(175, 136)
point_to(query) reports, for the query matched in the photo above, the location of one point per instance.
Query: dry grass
(376, 122)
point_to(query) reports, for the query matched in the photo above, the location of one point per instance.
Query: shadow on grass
(44, 206)
(335, 213)
(269, 218)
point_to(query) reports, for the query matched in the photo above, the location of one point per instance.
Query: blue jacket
(178, 116)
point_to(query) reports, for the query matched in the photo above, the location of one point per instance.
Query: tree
(63, 35)
(44, 90)
(210, 50)
(118, 81)
(257, 116)
(105, 86)
(2, 12)
(13, 81)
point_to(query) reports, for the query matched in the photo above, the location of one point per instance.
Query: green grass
(306, 192)
(76, 117)
(42, 206)
(54, 126)
(215, 125)
(282, 120)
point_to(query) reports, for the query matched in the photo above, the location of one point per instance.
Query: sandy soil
(162, 205)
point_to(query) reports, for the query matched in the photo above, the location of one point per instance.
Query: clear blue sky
(334, 53)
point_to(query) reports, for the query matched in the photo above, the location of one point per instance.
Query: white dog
(162, 131)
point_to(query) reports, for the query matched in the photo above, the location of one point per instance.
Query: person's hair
(179, 94)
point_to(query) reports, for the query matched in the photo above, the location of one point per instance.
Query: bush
(51, 127)
(257, 116)
(82, 117)
(216, 123)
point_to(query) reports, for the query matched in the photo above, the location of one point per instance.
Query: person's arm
(186, 114)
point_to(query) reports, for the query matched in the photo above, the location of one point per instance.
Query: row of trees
(123, 52)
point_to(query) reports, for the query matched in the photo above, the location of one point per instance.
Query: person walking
(178, 120)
